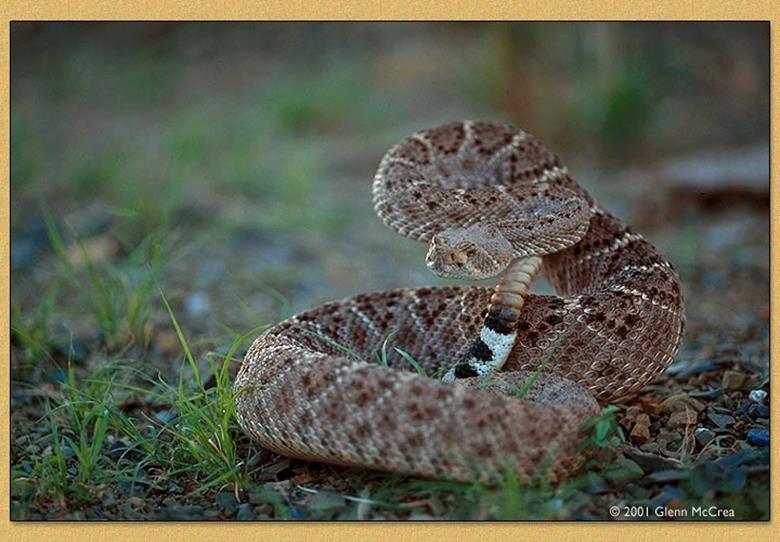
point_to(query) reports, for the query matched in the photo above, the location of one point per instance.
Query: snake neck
(497, 335)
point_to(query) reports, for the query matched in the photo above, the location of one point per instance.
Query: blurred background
(245, 151)
(232, 164)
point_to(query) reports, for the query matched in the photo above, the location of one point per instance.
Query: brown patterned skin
(616, 326)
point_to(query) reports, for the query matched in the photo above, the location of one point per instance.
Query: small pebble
(757, 396)
(721, 420)
(758, 411)
(650, 447)
(196, 304)
(95, 514)
(758, 437)
(733, 380)
(227, 501)
(640, 434)
(682, 418)
(245, 512)
(297, 513)
(710, 393)
(703, 435)
(164, 416)
(58, 375)
(681, 401)
(117, 449)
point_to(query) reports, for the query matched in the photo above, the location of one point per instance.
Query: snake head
(474, 252)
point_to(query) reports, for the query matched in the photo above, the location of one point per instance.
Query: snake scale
(516, 375)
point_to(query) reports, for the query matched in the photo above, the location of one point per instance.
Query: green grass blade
(411, 361)
(182, 340)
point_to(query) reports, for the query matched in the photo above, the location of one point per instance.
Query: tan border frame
(367, 10)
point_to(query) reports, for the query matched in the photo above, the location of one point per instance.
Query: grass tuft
(117, 297)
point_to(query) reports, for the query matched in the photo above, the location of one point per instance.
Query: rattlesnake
(483, 195)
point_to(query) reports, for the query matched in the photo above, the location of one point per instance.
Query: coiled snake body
(522, 372)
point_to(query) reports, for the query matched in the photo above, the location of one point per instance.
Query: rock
(721, 420)
(650, 462)
(681, 401)
(176, 489)
(117, 449)
(260, 457)
(758, 437)
(180, 513)
(733, 380)
(682, 418)
(667, 476)
(245, 512)
(650, 447)
(196, 304)
(165, 416)
(630, 416)
(227, 501)
(710, 393)
(758, 411)
(264, 511)
(703, 435)
(94, 513)
(326, 500)
(640, 434)
(743, 410)
(757, 396)
(297, 513)
(625, 471)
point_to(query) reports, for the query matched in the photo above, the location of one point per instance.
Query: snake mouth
(459, 265)
(474, 252)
